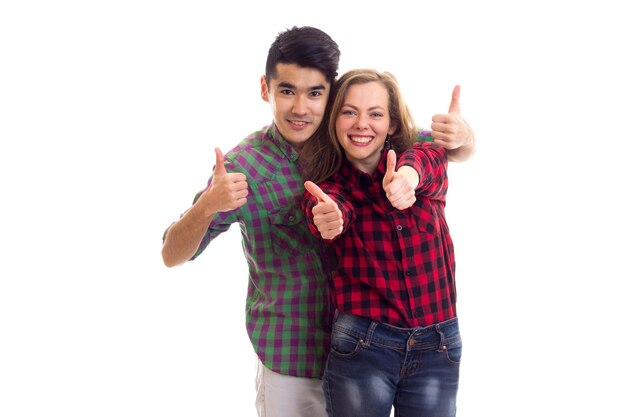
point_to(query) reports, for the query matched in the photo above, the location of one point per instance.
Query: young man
(258, 185)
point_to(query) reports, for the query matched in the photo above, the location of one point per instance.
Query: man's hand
(400, 186)
(450, 130)
(228, 191)
(326, 214)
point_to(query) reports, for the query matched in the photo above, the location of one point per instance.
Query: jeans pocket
(453, 352)
(344, 345)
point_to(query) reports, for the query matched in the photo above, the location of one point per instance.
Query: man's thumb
(220, 169)
(316, 191)
(455, 107)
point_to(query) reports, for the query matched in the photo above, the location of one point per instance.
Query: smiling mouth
(361, 139)
(298, 123)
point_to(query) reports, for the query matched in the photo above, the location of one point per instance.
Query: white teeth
(361, 139)
(298, 123)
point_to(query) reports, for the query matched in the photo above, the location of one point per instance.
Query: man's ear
(265, 90)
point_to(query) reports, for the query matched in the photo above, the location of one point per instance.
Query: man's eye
(286, 92)
(316, 93)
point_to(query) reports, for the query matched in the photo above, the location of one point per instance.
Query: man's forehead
(296, 77)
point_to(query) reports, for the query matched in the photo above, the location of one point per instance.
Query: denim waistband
(435, 336)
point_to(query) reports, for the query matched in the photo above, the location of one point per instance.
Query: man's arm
(452, 132)
(183, 238)
(465, 151)
(226, 192)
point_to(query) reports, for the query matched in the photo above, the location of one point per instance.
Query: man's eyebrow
(318, 87)
(285, 84)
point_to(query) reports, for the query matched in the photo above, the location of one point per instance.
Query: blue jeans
(373, 366)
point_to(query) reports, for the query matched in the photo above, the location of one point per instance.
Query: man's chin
(299, 136)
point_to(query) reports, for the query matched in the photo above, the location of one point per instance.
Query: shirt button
(399, 227)
(291, 218)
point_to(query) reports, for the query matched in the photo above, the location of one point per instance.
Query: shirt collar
(283, 146)
(355, 175)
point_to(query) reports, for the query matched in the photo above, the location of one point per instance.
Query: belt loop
(370, 334)
(442, 338)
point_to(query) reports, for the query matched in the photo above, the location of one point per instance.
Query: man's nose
(299, 105)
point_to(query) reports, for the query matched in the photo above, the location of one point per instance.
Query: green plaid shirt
(288, 311)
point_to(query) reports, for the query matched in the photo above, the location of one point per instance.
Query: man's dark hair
(306, 47)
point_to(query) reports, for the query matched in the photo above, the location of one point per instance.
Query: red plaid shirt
(394, 266)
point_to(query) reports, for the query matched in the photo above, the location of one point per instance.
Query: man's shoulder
(255, 156)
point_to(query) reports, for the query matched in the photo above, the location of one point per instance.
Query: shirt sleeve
(221, 221)
(431, 163)
(308, 202)
(424, 136)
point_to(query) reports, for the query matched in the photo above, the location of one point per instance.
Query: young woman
(378, 199)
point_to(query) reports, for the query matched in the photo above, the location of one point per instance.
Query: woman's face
(363, 124)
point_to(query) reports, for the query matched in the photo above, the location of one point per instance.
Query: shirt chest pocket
(288, 231)
(426, 218)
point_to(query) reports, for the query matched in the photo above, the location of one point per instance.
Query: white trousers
(280, 395)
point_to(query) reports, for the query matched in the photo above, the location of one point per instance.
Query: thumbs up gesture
(450, 130)
(326, 214)
(400, 185)
(228, 191)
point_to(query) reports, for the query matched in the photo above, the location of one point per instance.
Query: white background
(109, 114)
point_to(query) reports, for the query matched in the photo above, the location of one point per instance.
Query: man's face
(298, 97)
